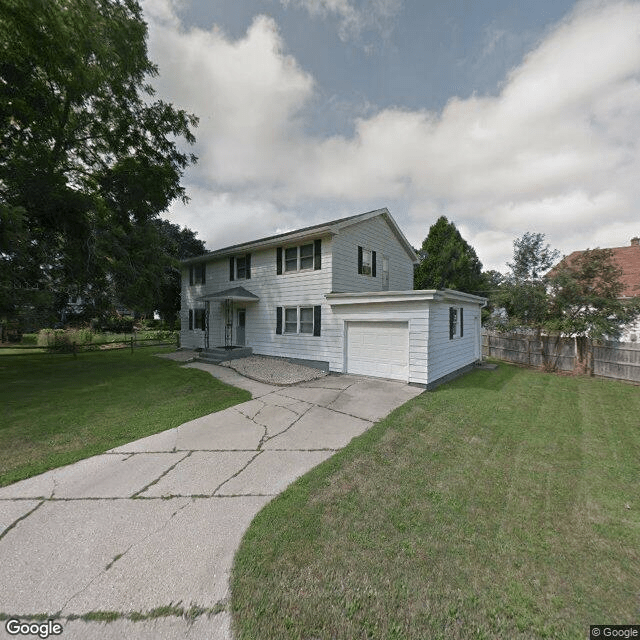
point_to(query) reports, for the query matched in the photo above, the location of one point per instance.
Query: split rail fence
(619, 360)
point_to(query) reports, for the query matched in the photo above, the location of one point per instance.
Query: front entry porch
(229, 323)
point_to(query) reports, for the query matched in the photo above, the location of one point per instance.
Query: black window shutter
(451, 325)
(373, 264)
(317, 313)
(190, 319)
(203, 266)
(279, 261)
(461, 322)
(248, 266)
(232, 266)
(359, 259)
(191, 275)
(317, 254)
(279, 320)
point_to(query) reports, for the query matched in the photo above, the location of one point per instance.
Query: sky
(505, 117)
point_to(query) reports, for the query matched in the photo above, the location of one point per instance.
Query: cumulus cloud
(556, 151)
(353, 19)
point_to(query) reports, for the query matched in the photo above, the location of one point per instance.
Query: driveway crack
(162, 475)
(20, 519)
(237, 473)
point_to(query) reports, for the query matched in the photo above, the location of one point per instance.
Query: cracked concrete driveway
(147, 531)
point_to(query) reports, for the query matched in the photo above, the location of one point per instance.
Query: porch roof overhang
(237, 294)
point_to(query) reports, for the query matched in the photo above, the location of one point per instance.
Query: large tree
(448, 261)
(585, 297)
(523, 292)
(89, 159)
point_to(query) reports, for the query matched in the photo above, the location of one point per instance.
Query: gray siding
(376, 235)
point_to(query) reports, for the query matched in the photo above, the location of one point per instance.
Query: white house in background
(337, 296)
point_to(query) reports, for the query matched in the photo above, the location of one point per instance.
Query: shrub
(64, 339)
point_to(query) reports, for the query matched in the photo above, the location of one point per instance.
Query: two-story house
(338, 296)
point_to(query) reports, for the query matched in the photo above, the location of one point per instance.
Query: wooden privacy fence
(619, 360)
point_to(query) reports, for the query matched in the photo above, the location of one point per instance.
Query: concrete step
(220, 354)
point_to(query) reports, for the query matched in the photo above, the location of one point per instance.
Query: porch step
(220, 354)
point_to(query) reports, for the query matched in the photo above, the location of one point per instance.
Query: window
(197, 273)
(453, 322)
(385, 274)
(291, 259)
(300, 258)
(306, 256)
(300, 320)
(366, 262)
(196, 318)
(306, 320)
(461, 322)
(240, 267)
(291, 320)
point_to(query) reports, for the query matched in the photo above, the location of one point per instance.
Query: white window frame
(367, 264)
(299, 322)
(299, 258)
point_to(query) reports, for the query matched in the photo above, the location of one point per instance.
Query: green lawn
(57, 409)
(506, 504)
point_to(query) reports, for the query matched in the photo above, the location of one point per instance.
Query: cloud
(353, 20)
(557, 151)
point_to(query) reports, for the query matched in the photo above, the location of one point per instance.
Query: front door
(240, 336)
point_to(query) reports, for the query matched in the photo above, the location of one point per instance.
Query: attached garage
(422, 336)
(378, 347)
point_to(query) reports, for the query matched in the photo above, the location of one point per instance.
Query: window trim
(371, 267)
(197, 274)
(314, 256)
(314, 323)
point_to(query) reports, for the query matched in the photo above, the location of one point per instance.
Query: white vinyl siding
(372, 235)
(445, 355)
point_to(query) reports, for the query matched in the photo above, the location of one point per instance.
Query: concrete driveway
(148, 531)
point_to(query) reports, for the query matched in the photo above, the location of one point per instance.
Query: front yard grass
(506, 504)
(57, 409)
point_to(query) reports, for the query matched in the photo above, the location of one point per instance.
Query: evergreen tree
(448, 261)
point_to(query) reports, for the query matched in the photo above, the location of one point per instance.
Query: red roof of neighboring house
(628, 260)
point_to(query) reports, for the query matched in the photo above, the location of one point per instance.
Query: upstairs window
(366, 262)
(198, 273)
(303, 257)
(240, 267)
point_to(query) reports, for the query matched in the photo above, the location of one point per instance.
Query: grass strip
(503, 505)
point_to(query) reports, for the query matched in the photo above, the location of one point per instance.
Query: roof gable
(307, 233)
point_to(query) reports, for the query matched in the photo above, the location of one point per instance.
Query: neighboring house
(337, 296)
(627, 259)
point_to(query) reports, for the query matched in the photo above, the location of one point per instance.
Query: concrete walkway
(149, 529)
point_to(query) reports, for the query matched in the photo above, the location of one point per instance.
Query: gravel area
(273, 370)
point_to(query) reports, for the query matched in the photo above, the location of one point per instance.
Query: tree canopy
(580, 297)
(90, 160)
(448, 261)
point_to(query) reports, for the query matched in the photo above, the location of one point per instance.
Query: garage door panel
(378, 349)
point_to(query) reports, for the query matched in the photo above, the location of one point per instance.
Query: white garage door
(378, 349)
